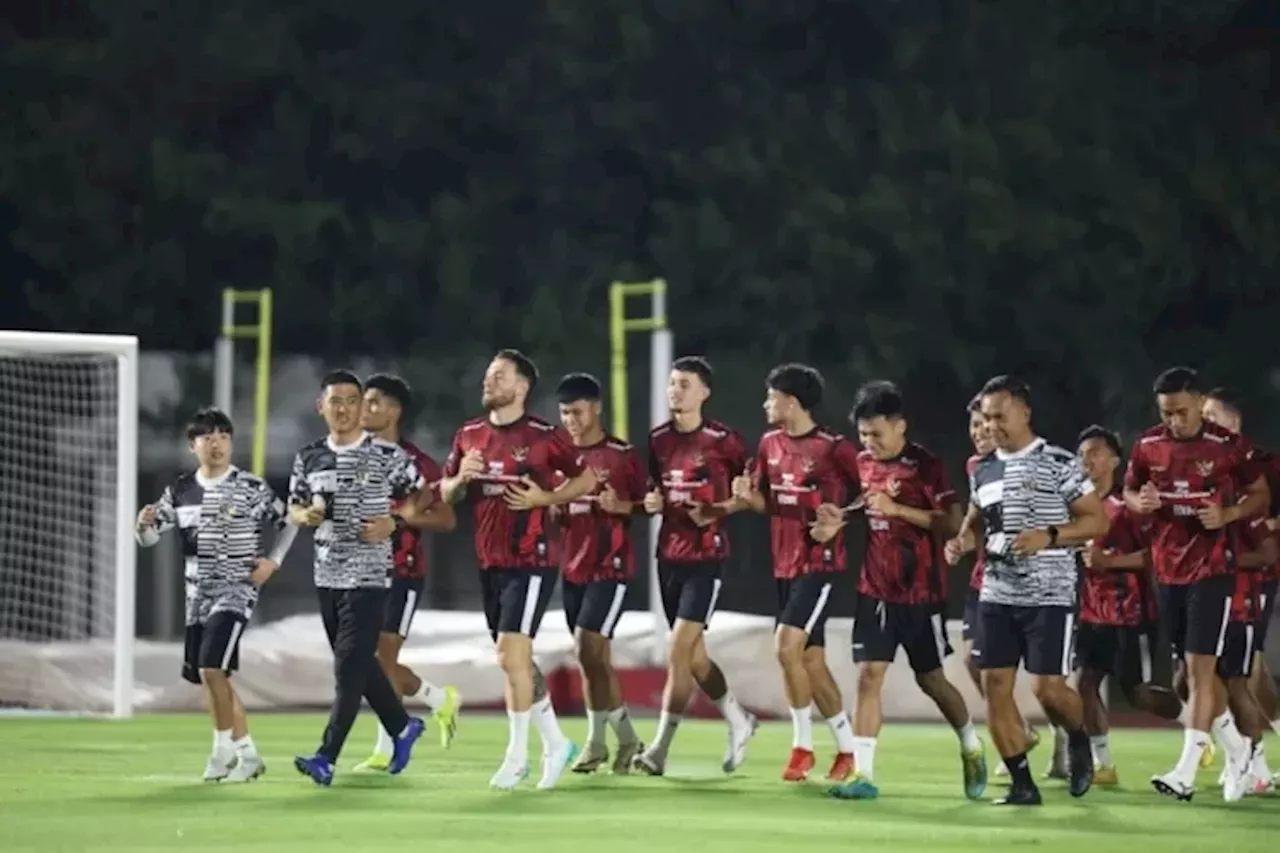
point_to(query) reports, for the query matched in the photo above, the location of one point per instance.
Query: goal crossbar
(125, 350)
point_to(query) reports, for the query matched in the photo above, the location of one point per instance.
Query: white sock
(430, 695)
(1258, 765)
(620, 722)
(842, 732)
(544, 718)
(1275, 725)
(667, 725)
(1233, 744)
(245, 745)
(801, 729)
(597, 724)
(518, 736)
(969, 737)
(1101, 750)
(221, 740)
(864, 757)
(733, 713)
(386, 744)
(1193, 745)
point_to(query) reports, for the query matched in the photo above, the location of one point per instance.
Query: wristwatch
(1053, 535)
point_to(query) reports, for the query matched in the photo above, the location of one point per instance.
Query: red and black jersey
(1246, 600)
(1269, 465)
(527, 447)
(409, 560)
(980, 545)
(693, 469)
(796, 474)
(1214, 467)
(1111, 596)
(903, 563)
(597, 544)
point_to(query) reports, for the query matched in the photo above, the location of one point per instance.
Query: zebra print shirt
(1031, 489)
(220, 522)
(357, 483)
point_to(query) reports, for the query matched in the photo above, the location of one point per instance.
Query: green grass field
(97, 785)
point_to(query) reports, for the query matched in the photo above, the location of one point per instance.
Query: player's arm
(459, 470)
(1139, 497)
(1089, 519)
(1110, 561)
(580, 478)
(1262, 551)
(305, 509)
(751, 487)
(1257, 498)
(155, 519)
(733, 451)
(272, 512)
(431, 514)
(1121, 551)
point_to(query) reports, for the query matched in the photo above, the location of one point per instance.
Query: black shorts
(689, 590)
(803, 603)
(880, 627)
(1131, 654)
(1238, 647)
(970, 625)
(1267, 606)
(402, 604)
(594, 606)
(1040, 637)
(1194, 616)
(516, 599)
(213, 645)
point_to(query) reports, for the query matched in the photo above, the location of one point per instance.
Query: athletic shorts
(1267, 608)
(1132, 654)
(402, 604)
(1040, 637)
(804, 603)
(689, 590)
(594, 606)
(970, 624)
(1239, 642)
(881, 627)
(515, 600)
(213, 645)
(1194, 616)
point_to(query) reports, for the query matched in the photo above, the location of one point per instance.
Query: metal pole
(224, 355)
(661, 356)
(262, 395)
(618, 359)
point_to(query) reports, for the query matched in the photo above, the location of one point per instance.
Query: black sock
(1019, 770)
(1078, 740)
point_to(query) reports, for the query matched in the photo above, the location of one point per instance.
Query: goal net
(68, 472)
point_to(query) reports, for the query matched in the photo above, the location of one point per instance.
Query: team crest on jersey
(806, 464)
(520, 453)
(602, 475)
(893, 487)
(697, 460)
(227, 511)
(1204, 469)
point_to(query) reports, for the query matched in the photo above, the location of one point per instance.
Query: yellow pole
(262, 397)
(619, 326)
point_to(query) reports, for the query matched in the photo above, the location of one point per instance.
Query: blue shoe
(857, 788)
(975, 773)
(319, 768)
(404, 745)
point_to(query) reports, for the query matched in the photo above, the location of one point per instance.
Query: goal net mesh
(58, 520)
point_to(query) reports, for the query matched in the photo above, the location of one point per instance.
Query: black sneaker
(1080, 769)
(1020, 795)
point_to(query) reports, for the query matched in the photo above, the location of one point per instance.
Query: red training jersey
(903, 563)
(1215, 466)
(1269, 465)
(597, 544)
(980, 545)
(1246, 599)
(409, 560)
(527, 447)
(693, 469)
(1112, 596)
(796, 474)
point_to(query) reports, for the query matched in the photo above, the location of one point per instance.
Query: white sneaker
(249, 767)
(736, 750)
(555, 762)
(1237, 781)
(1222, 777)
(1171, 786)
(219, 766)
(650, 763)
(509, 774)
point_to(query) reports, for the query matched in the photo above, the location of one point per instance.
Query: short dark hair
(695, 364)
(1108, 437)
(1229, 399)
(877, 399)
(801, 381)
(577, 386)
(1176, 380)
(391, 386)
(341, 377)
(975, 404)
(1007, 383)
(523, 364)
(207, 421)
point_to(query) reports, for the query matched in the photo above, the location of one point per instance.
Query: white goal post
(68, 498)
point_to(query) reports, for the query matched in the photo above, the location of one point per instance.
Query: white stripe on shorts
(615, 610)
(715, 596)
(410, 608)
(237, 628)
(1144, 656)
(819, 608)
(1068, 643)
(532, 591)
(939, 635)
(1222, 631)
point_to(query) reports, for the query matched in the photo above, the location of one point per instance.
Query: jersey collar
(1005, 456)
